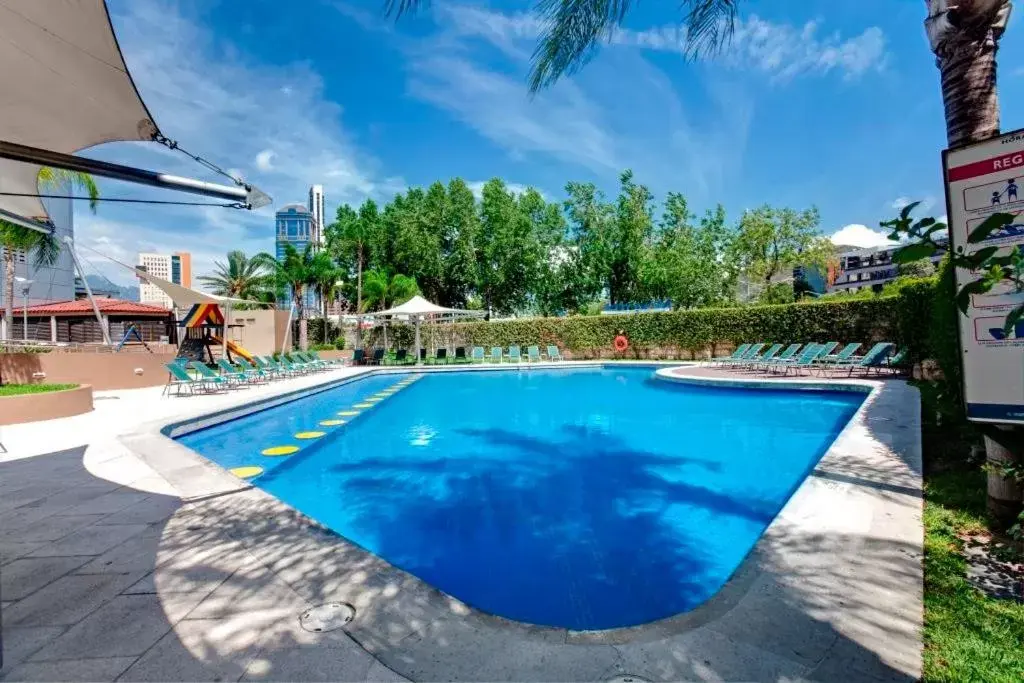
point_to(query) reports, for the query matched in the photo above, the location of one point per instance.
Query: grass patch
(20, 389)
(968, 636)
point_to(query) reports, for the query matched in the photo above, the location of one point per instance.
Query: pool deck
(125, 556)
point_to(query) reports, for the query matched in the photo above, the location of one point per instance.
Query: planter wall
(46, 406)
(103, 371)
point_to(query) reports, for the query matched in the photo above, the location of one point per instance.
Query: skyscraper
(175, 267)
(294, 226)
(316, 208)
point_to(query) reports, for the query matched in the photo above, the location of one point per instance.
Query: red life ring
(621, 343)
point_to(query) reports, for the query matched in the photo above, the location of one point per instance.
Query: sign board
(983, 179)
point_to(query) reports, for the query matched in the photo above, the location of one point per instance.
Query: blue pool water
(581, 498)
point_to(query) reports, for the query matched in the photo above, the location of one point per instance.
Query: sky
(810, 104)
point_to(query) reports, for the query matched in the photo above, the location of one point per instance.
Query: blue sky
(838, 107)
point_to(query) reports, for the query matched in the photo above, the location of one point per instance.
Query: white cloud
(923, 206)
(270, 123)
(856, 235)
(263, 160)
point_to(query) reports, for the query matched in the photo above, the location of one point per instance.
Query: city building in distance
(295, 226)
(316, 207)
(175, 267)
(861, 269)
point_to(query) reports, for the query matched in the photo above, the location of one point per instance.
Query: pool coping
(886, 427)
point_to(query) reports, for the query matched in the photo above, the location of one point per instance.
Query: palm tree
(294, 273)
(240, 278)
(380, 292)
(326, 276)
(348, 238)
(963, 35)
(45, 248)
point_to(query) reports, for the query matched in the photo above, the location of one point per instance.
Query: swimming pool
(585, 498)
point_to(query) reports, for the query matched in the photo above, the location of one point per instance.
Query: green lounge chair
(897, 361)
(785, 356)
(533, 354)
(554, 353)
(271, 363)
(837, 358)
(478, 354)
(319, 363)
(292, 367)
(740, 351)
(752, 352)
(828, 347)
(401, 357)
(358, 357)
(231, 372)
(460, 354)
(328, 361)
(441, 356)
(211, 377)
(179, 379)
(496, 354)
(253, 370)
(272, 369)
(301, 361)
(765, 357)
(874, 359)
(805, 359)
(514, 355)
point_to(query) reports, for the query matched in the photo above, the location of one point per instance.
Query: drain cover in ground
(328, 617)
(628, 679)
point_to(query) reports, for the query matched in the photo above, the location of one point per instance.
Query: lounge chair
(496, 354)
(253, 370)
(358, 357)
(272, 369)
(836, 358)
(311, 357)
(874, 359)
(460, 354)
(805, 359)
(752, 352)
(210, 377)
(740, 351)
(514, 355)
(533, 354)
(328, 361)
(423, 356)
(441, 356)
(304, 359)
(828, 347)
(273, 364)
(179, 378)
(897, 361)
(765, 357)
(785, 356)
(554, 353)
(378, 357)
(231, 372)
(478, 354)
(401, 357)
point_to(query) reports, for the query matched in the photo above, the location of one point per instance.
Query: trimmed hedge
(902, 319)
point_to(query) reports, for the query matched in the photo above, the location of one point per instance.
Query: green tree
(383, 291)
(349, 240)
(326, 277)
(770, 242)
(44, 248)
(458, 238)
(240, 278)
(631, 232)
(919, 268)
(294, 273)
(591, 221)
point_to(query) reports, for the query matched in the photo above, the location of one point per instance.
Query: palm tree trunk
(968, 68)
(8, 292)
(323, 304)
(359, 299)
(300, 307)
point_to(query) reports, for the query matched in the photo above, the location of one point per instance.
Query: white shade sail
(64, 87)
(418, 307)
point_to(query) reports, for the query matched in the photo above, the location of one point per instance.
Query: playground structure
(202, 323)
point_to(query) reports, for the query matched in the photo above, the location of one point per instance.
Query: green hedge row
(902, 318)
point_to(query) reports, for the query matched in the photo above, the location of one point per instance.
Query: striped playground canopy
(201, 314)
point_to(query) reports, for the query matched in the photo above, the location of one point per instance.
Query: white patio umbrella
(418, 308)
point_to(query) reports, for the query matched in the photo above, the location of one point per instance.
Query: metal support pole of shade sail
(251, 196)
(88, 290)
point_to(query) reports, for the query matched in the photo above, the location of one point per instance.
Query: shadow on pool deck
(157, 589)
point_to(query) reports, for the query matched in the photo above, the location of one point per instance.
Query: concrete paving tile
(91, 540)
(79, 491)
(70, 670)
(12, 550)
(200, 650)
(67, 600)
(126, 626)
(849, 661)
(310, 664)
(150, 510)
(21, 517)
(141, 553)
(21, 643)
(703, 655)
(50, 528)
(251, 588)
(379, 673)
(193, 572)
(23, 577)
(107, 503)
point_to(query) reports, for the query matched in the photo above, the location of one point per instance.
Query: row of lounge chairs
(477, 355)
(814, 357)
(194, 376)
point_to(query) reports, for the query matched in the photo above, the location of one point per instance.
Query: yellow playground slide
(233, 348)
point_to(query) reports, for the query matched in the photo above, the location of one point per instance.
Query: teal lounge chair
(554, 353)
(785, 356)
(838, 358)
(874, 359)
(533, 354)
(253, 370)
(292, 368)
(765, 357)
(752, 352)
(326, 361)
(231, 372)
(271, 369)
(269, 362)
(897, 361)
(740, 351)
(210, 377)
(302, 360)
(495, 354)
(477, 356)
(514, 355)
(828, 347)
(805, 359)
(179, 379)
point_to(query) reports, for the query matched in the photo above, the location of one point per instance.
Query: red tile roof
(83, 307)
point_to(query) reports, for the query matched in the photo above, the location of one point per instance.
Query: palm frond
(573, 29)
(51, 177)
(397, 8)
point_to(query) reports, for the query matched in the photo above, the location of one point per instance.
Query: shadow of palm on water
(580, 532)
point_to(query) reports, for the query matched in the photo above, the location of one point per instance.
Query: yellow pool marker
(372, 399)
(247, 472)
(363, 405)
(348, 413)
(281, 450)
(331, 423)
(309, 435)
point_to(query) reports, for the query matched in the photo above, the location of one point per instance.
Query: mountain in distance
(104, 287)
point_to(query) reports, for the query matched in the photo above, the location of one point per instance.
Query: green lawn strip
(968, 636)
(19, 389)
